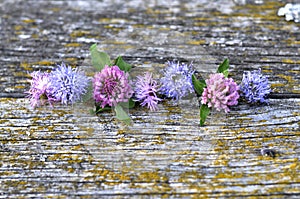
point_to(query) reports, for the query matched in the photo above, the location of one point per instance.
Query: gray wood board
(67, 152)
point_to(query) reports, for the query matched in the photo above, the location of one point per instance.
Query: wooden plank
(171, 156)
(67, 152)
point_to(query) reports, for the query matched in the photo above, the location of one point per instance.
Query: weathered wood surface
(66, 152)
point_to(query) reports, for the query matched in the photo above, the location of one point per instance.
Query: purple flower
(177, 80)
(220, 92)
(39, 93)
(111, 86)
(255, 86)
(145, 91)
(67, 85)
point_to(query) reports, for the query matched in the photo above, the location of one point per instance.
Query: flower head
(145, 91)
(111, 86)
(177, 80)
(39, 93)
(67, 85)
(291, 12)
(255, 86)
(220, 92)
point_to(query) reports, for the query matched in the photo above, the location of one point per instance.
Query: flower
(111, 86)
(145, 91)
(220, 92)
(291, 12)
(39, 93)
(67, 85)
(177, 80)
(255, 86)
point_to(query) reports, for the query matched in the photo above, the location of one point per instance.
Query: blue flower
(145, 91)
(67, 85)
(255, 86)
(176, 82)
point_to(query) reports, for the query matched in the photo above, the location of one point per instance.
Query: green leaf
(223, 68)
(204, 111)
(198, 85)
(122, 64)
(226, 73)
(99, 59)
(99, 109)
(122, 115)
(129, 104)
(92, 112)
(89, 94)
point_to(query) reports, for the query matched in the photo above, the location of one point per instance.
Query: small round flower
(176, 82)
(255, 86)
(39, 93)
(220, 92)
(67, 85)
(291, 12)
(145, 91)
(111, 86)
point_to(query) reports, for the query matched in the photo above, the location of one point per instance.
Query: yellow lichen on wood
(28, 20)
(288, 78)
(199, 42)
(73, 45)
(277, 85)
(21, 74)
(72, 60)
(44, 63)
(18, 27)
(290, 61)
(292, 41)
(79, 33)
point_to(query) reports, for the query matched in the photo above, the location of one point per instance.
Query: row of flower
(112, 88)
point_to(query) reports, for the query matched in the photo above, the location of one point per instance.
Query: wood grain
(67, 152)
